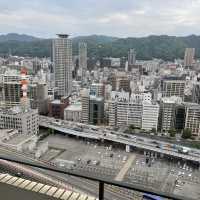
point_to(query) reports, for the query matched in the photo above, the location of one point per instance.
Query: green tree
(153, 130)
(172, 132)
(187, 133)
(132, 127)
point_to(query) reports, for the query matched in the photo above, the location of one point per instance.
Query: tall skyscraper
(83, 59)
(131, 57)
(62, 60)
(189, 57)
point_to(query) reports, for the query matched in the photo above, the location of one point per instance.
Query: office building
(62, 61)
(56, 107)
(92, 108)
(173, 86)
(196, 93)
(97, 89)
(26, 121)
(96, 110)
(38, 95)
(167, 112)
(85, 99)
(83, 59)
(179, 122)
(120, 81)
(189, 57)
(12, 92)
(73, 112)
(150, 113)
(131, 57)
(124, 110)
(192, 117)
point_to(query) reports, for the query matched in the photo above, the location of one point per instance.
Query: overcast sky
(122, 18)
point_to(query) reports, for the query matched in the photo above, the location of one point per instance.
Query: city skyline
(120, 19)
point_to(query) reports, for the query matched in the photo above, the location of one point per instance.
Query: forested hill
(164, 47)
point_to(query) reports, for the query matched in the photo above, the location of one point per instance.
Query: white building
(26, 121)
(62, 61)
(85, 100)
(150, 113)
(124, 110)
(73, 112)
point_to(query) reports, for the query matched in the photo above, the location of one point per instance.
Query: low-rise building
(73, 112)
(57, 107)
(26, 121)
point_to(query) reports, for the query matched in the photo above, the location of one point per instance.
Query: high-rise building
(126, 109)
(173, 86)
(38, 95)
(192, 117)
(92, 108)
(196, 93)
(85, 100)
(150, 113)
(179, 120)
(120, 82)
(189, 57)
(96, 110)
(62, 61)
(167, 112)
(131, 57)
(26, 121)
(83, 59)
(12, 92)
(97, 89)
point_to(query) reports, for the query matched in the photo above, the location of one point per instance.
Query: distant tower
(189, 57)
(131, 57)
(83, 59)
(62, 61)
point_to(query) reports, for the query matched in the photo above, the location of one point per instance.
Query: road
(138, 142)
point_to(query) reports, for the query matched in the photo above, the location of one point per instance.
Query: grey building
(192, 117)
(62, 61)
(131, 57)
(96, 110)
(196, 93)
(38, 95)
(173, 86)
(167, 113)
(26, 121)
(12, 92)
(83, 59)
(189, 57)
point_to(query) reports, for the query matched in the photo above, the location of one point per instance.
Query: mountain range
(164, 46)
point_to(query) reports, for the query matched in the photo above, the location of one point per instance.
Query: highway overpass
(49, 123)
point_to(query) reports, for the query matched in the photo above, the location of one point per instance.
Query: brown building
(57, 107)
(120, 82)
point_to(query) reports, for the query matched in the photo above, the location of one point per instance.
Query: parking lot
(87, 156)
(103, 160)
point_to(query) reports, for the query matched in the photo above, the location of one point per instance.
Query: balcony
(12, 187)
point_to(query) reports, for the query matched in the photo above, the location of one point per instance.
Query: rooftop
(74, 107)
